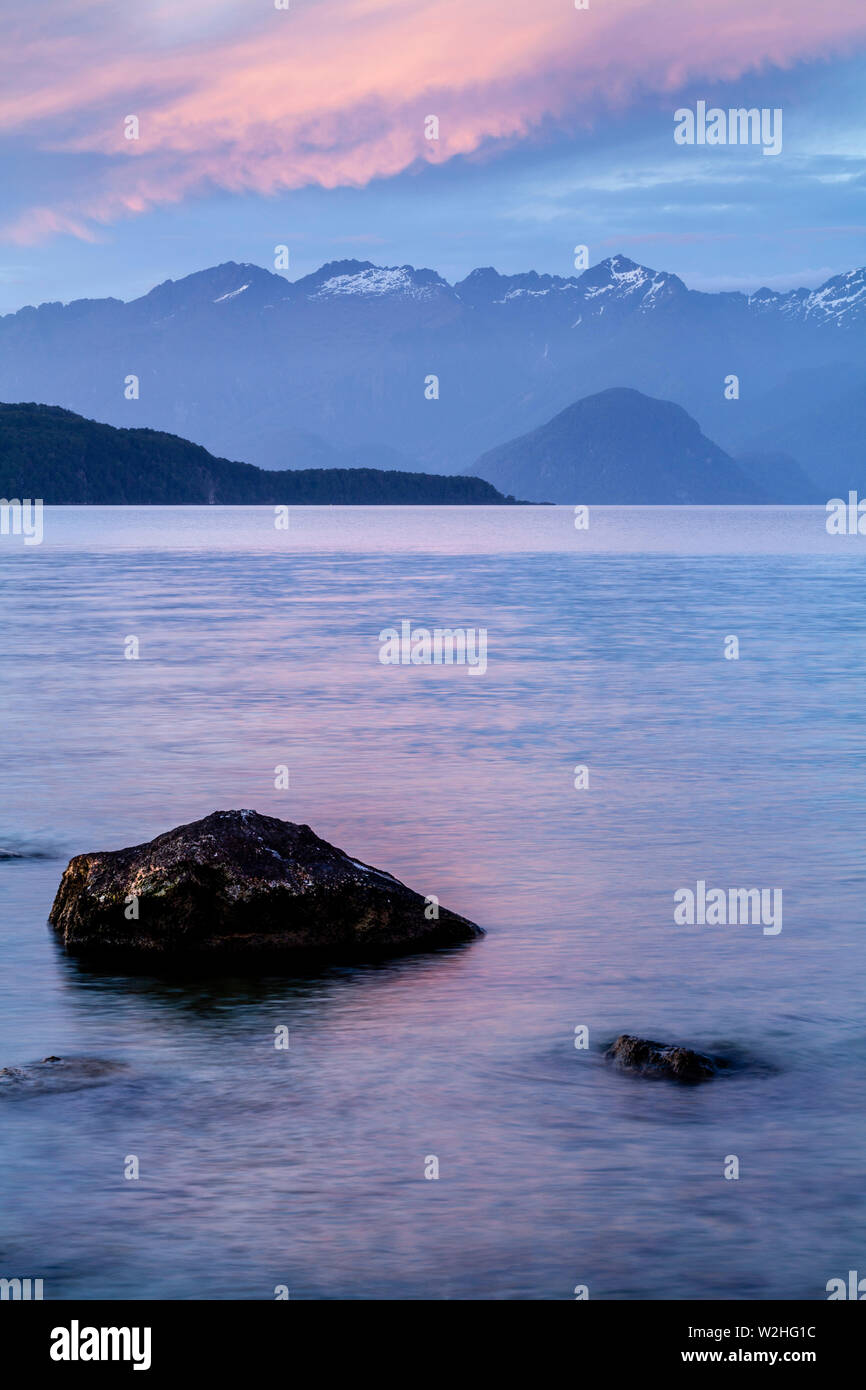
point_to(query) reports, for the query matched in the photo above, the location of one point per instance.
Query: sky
(307, 127)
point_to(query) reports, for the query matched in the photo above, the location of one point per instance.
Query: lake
(606, 650)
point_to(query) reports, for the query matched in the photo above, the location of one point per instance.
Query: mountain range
(336, 369)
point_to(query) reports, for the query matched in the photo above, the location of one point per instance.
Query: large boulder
(238, 885)
(657, 1059)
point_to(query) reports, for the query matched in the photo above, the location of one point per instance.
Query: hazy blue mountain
(820, 417)
(782, 479)
(63, 459)
(287, 374)
(619, 446)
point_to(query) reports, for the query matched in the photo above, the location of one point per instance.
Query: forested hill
(64, 459)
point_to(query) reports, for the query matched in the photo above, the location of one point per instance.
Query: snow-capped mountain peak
(839, 302)
(618, 279)
(215, 285)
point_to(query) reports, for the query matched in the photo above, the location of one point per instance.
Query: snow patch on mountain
(378, 281)
(523, 292)
(231, 294)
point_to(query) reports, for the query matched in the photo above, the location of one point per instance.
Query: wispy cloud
(335, 92)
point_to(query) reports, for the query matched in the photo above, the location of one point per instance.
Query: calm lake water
(305, 1167)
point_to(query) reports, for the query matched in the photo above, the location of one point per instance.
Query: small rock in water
(55, 1074)
(240, 886)
(662, 1059)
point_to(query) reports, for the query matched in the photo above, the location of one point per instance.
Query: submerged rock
(55, 1074)
(238, 885)
(662, 1059)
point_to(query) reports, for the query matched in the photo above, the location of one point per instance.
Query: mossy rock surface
(238, 885)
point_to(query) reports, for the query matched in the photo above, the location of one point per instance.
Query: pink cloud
(336, 92)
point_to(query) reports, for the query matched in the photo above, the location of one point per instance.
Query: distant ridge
(64, 459)
(841, 300)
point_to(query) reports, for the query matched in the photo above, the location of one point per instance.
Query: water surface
(605, 648)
